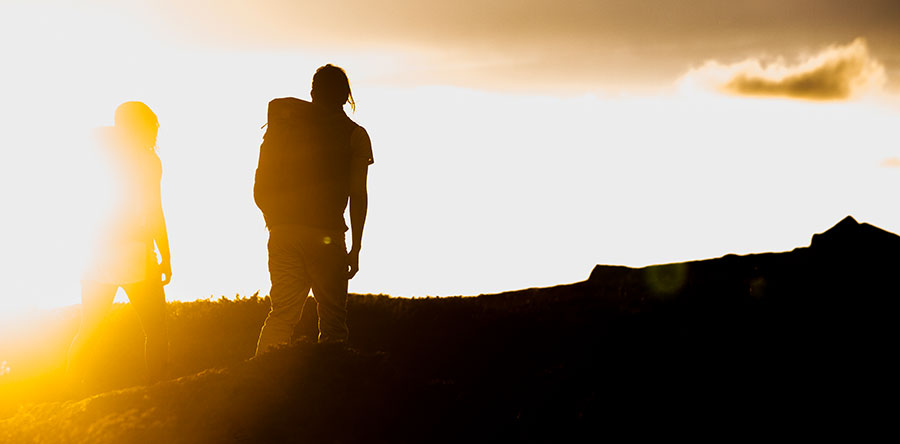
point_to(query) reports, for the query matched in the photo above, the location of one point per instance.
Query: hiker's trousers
(300, 259)
(149, 302)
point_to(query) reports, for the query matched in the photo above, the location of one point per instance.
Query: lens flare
(666, 280)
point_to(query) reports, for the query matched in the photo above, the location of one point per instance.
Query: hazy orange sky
(524, 44)
(517, 143)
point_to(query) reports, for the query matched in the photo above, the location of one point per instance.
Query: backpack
(303, 172)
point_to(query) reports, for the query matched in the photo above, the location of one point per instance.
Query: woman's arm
(162, 243)
(158, 228)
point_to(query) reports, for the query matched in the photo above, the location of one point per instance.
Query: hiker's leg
(96, 301)
(328, 269)
(290, 287)
(149, 301)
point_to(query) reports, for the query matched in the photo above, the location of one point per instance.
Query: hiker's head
(138, 124)
(331, 87)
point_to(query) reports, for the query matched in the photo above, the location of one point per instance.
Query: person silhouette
(312, 162)
(123, 246)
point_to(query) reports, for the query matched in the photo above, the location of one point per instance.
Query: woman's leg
(149, 301)
(96, 300)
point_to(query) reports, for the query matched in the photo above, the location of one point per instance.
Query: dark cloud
(834, 73)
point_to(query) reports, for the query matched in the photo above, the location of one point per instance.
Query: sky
(517, 143)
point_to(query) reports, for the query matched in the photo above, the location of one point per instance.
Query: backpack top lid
(288, 109)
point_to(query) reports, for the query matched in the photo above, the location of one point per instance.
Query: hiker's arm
(160, 234)
(161, 237)
(359, 205)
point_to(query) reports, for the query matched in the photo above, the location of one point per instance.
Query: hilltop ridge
(808, 332)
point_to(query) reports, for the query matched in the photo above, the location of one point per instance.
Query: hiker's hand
(165, 269)
(352, 263)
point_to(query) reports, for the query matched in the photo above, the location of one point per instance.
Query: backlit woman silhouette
(124, 253)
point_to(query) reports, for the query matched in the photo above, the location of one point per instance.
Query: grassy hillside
(415, 366)
(801, 339)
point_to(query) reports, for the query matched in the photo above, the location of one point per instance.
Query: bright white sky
(479, 185)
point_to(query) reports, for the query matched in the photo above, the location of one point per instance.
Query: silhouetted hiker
(313, 159)
(123, 252)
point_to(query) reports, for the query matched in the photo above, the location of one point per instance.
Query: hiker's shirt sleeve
(361, 145)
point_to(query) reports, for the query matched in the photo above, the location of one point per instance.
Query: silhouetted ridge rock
(848, 248)
(826, 309)
(857, 242)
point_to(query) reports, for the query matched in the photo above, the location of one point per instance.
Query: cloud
(835, 73)
(891, 162)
